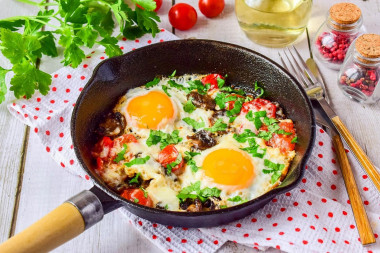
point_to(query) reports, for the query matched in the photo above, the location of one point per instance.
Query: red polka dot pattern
(317, 207)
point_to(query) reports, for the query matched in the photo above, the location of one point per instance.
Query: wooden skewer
(362, 223)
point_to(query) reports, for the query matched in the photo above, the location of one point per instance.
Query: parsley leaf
(197, 85)
(157, 136)
(170, 166)
(152, 83)
(190, 162)
(165, 89)
(3, 86)
(136, 200)
(194, 191)
(218, 126)
(220, 82)
(137, 161)
(259, 90)
(135, 179)
(193, 123)
(235, 199)
(294, 140)
(189, 106)
(145, 192)
(112, 49)
(88, 36)
(120, 155)
(173, 74)
(274, 168)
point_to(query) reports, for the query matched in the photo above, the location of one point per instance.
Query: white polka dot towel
(313, 217)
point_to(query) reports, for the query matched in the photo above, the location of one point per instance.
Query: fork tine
(306, 68)
(287, 68)
(298, 73)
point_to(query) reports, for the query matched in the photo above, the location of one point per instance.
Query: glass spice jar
(359, 75)
(343, 25)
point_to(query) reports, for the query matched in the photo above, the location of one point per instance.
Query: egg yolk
(229, 167)
(152, 110)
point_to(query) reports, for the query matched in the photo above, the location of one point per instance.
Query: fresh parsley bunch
(82, 23)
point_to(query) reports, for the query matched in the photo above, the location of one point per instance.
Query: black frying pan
(112, 78)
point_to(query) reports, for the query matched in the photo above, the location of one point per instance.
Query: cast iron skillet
(114, 77)
(111, 79)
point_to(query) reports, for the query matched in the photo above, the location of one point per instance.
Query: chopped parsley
(137, 161)
(135, 179)
(120, 155)
(243, 137)
(166, 207)
(198, 85)
(235, 199)
(173, 84)
(223, 206)
(190, 162)
(221, 82)
(282, 131)
(236, 108)
(157, 136)
(259, 90)
(194, 191)
(145, 192)
(170, 166)
(189, 106)
(253, 149)
(165, 89)
(152, 83)
(274, 168)
(218, 126)
(294, 140)
(229, 89)
(193, 123)
(136, 200)
(173, 74)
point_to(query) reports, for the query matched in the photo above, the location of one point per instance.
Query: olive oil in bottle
(273, 23)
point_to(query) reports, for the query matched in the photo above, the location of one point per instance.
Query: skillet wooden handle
(360, 215)
(59, 226)
(358, 151)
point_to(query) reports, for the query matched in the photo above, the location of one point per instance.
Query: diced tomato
(212, 79)
(259, 104)
(137, 196)
(103, 148)
(169, 155)
(128, 138)
(99, 164)
(282, 141)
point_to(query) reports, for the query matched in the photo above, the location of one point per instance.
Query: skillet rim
(268, 195)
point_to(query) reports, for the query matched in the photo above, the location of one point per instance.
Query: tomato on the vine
(211, 8)
(182, 16)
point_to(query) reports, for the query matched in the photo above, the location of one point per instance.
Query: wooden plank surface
(46, 185)
(12, 138)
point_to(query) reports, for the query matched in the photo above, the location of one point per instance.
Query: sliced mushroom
(202, 101)
(195, 207)
(113, 125)
(202, 140)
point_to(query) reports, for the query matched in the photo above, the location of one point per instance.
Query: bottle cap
(345, 13)
(368, 45)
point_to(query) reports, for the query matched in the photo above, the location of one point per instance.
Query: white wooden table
(32, 184)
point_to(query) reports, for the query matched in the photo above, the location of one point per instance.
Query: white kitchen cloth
(313, 217)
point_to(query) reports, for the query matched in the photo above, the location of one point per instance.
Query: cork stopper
(345, 13)
(368, 45)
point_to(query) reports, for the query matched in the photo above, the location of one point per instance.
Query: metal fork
(316, 92)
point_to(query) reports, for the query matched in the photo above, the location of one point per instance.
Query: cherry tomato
(212, 79)
(99, 164)
(125, 138)
(259, 104)
(169, 155)
(283, 141)
(158, 5)
(211, 8)
(182, 16)
(137, 196)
